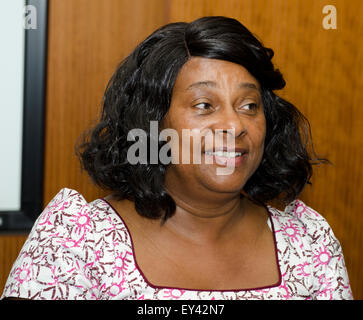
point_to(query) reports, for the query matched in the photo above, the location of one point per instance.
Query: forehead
(199, 71)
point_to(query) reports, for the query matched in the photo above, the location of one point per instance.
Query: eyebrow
(212, 84)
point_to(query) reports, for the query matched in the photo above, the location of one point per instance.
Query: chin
(232, 183)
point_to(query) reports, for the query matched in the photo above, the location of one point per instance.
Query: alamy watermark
(30, 17)
(330, 20)
(138, 152)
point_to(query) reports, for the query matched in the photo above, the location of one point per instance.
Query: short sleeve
(57, 259)
(330, 276)
(330, 273)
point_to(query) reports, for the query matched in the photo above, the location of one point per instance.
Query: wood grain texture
(10, 246)
(323, 68)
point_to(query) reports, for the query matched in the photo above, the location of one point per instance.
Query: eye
(250, 106)
(203, 106)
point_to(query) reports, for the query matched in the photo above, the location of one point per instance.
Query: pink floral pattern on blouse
(80, 250)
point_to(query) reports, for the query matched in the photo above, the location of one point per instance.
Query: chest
(234, 266)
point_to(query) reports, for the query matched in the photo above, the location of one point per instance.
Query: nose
(230, 122)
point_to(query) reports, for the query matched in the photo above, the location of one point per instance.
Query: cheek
(260, 139)
(257, 126)
(257, 134)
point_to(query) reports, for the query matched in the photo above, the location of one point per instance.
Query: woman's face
(212, 95)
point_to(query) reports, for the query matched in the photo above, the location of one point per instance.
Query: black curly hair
(140, 91)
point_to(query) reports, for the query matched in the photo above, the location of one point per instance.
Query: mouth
(227, 157)
(227, 153)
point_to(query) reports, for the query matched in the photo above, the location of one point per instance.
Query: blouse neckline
(159, 287)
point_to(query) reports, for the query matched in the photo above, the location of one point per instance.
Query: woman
(181, 230)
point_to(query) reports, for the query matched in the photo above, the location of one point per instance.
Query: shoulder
(304, 227)
(68, 216)
(73, 220)
(307, 221)
(310, 247)
(61, 257)
(56, 252)
(64, 205)
(70, 209)
(66, 229)
(305, 232)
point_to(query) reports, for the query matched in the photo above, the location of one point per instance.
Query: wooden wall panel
(87, 39)
(323, 68)
(10, 246)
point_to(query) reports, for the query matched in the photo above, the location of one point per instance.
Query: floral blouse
(80, 250)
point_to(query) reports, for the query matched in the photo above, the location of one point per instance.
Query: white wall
(11, 101)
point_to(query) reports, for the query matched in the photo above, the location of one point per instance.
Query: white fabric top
(80, 250)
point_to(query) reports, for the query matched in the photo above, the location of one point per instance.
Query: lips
(227, 156)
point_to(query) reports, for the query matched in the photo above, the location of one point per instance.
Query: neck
(205, 219)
